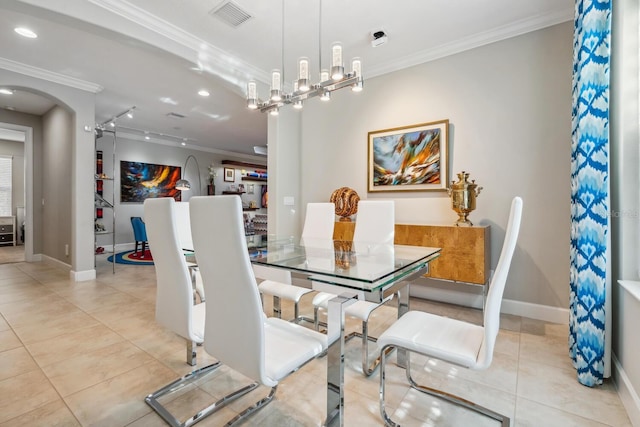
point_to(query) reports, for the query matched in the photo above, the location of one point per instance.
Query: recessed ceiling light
(130, 115)
(4, 91)
(25, 32)
(203, 92)
(147, 137)
(183, 143)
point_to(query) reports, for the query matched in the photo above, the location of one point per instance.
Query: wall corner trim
(628, 395)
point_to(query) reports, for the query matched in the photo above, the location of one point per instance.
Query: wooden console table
(466, 251)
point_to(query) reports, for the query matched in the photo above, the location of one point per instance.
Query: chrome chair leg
(456, 400)
(152, 399)
(277, 310)
(383, 413)
(191, 353)
(253, 408)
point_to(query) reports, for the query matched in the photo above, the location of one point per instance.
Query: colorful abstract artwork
(139, 181)
(409, 158)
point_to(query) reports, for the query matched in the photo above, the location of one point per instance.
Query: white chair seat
(321, 299)
(282, 290)
(288, 346)
(197, 320)
(361, 309)
(441, 337)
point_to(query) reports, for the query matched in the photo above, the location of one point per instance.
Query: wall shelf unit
(255, 218)
(243, 165)
(104, 194)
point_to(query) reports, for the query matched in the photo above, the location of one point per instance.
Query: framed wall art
(229, 174)
(139, 181)
(409, 158)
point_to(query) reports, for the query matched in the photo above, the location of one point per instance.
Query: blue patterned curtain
(589, 188)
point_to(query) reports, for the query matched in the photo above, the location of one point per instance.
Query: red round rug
(131, 257)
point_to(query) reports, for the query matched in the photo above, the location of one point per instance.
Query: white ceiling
(156, 55)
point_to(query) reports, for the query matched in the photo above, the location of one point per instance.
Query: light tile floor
(87, 353)
(11, 254)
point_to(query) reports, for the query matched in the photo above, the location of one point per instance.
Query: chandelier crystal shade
(303, 86)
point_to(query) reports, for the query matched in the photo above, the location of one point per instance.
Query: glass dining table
(369, 271)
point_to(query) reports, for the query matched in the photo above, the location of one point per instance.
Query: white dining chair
(265, 349)
(460, 343)
(174, 302)
(318, 224)
(375, 224)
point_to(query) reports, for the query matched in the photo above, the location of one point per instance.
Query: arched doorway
(28, 191)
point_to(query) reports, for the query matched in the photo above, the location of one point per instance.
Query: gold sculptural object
(346, 201)
(463, 198)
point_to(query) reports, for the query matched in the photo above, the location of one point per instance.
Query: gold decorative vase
(463, 198)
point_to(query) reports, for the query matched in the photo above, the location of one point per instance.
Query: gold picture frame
(409, 158)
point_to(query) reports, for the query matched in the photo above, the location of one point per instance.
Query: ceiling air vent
(230, 13)
(175, 116)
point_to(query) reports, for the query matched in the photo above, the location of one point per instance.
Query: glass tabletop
(357, 265)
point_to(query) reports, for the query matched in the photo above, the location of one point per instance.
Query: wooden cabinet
(466, 251)
(7, 231)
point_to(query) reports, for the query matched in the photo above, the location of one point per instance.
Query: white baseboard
(536, 311)
(474, 299)
(82, 276)
(627, 393)
(55, 263)
(34, 258)
(77, 276)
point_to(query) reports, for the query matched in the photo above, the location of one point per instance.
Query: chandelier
(303, 88)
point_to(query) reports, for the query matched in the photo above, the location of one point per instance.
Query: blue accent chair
(139, 233)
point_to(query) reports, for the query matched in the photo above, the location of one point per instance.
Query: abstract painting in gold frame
(409, 158)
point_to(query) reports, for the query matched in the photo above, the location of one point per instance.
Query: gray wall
(509, 105)
(57, 126)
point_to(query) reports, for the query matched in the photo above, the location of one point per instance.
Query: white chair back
(174, 293)
(183, 223)
(234, 328)
(319, 221)
(496, 287)
(375, 221)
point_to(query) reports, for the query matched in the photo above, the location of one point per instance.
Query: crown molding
(219, 62)
(50, 76)
(497, 34)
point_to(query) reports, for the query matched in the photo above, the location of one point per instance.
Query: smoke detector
(378, 37)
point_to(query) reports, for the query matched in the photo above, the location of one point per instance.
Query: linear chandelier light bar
(303, 89)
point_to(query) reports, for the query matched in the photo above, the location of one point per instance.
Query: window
(5, 185)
